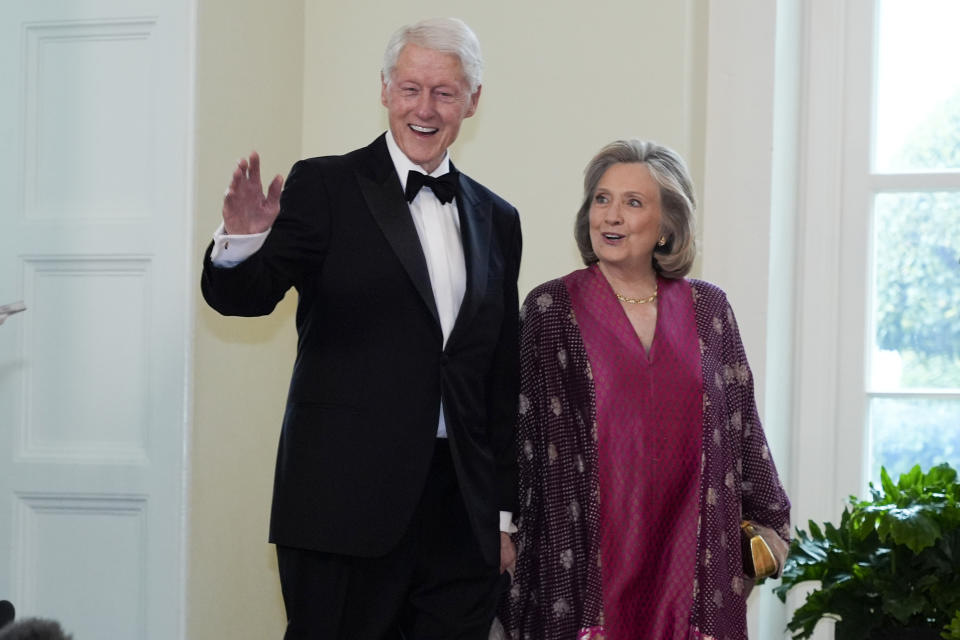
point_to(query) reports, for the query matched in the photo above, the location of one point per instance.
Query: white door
(95, 198)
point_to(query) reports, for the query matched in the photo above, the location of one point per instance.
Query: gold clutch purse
(758, 559)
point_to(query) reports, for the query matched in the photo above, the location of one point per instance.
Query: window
(912, 191)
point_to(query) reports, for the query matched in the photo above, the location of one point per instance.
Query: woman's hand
(508, 554)
(777, 545)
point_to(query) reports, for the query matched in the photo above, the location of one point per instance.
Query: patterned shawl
(557, 589)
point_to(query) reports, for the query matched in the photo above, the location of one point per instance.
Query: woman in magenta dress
(640, 445)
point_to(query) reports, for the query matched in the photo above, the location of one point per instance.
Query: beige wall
(248, 96)
(560, 81)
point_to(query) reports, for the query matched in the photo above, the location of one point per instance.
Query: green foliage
(892, 563)
(952, 632)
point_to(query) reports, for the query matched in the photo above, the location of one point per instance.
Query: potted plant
(890, 569)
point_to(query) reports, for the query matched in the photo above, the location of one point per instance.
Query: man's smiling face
(427, 98)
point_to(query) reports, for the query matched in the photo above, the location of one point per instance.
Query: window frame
(835, 255)
(862, 183)
(784, 206)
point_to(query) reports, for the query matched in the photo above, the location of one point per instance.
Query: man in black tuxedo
(396, 468)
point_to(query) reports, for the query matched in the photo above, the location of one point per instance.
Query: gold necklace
(649, 298)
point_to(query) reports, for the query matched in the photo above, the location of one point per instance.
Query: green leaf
(941, 476)
(903, 609)
(835, 536)
(912, 527)
(892, 561)
(888, 487)
(805, 618)
(952, 631)
(911, 480)
(815, 551)
(815, 532)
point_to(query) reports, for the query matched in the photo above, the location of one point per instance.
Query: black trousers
(434, 585)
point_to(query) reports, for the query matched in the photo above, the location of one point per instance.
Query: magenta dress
(649, 412)
(635, 468)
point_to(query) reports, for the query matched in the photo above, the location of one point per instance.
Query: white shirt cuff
(506, 522)
(230, 250)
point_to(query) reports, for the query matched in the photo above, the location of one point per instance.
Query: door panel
(95, 202)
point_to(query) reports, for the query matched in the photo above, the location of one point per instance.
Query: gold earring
(661, 242)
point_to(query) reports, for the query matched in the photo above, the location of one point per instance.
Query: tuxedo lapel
(475, 228)
(381, 189)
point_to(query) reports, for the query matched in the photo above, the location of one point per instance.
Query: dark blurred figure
(34, 629)
(7, 613)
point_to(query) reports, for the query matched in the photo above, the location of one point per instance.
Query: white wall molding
(749, 210)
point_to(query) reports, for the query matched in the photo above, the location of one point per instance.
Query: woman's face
(625, 217)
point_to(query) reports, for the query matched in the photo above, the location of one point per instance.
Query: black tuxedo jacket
(362, 412)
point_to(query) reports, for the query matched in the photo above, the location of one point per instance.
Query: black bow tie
(445, 187)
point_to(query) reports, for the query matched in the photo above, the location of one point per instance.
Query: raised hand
(246, 209)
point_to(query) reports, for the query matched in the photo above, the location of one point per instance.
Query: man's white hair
(449, 35)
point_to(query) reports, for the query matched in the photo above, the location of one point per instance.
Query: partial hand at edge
(508, 553)
(246, 210)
